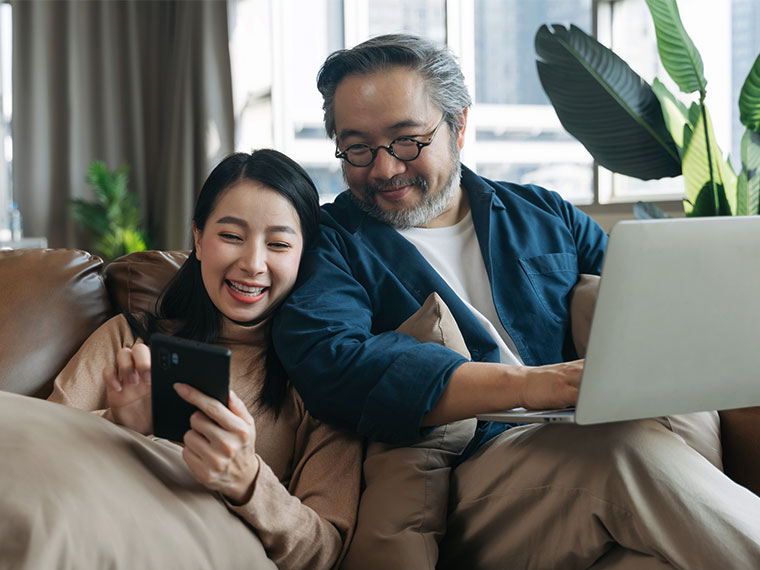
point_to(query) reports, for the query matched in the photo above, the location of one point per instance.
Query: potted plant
(113, 218)
(645, 131)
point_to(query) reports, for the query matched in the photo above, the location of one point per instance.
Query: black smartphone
(203, 366)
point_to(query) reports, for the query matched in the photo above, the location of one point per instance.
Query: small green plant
(113, 218)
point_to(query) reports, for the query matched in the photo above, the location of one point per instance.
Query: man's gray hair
(437, 67)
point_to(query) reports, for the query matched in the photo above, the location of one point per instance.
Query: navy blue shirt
(361, 279)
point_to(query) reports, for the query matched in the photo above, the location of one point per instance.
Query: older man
(504, 258)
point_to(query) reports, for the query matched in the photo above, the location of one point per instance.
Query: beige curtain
(141, 82)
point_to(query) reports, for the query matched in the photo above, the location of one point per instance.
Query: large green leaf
(603, 103)
(676, 115)
(700, 173)
(748, 188)
(678, 53)
(704, 203)
(749, 99)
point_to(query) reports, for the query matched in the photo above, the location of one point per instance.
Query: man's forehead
(381, 102)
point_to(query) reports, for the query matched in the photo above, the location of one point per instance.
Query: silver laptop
(676, 327)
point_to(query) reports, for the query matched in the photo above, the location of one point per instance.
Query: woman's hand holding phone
(128, 389)
(220, 447)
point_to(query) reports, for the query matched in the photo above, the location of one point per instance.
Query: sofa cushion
(135, 280)
(52, 299)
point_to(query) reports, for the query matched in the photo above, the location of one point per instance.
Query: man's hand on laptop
(550, 386)
(484, 387)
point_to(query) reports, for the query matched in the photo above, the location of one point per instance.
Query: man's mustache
(395, 183)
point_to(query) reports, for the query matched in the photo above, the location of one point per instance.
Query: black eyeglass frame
(389, 148)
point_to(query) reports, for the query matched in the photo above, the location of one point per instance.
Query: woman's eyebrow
(283, 229)
(243, 224)
(232, 220)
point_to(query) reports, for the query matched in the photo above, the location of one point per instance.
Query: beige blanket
(78, 492)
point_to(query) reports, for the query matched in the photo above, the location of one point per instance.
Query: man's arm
(483, 387)
(380, 384)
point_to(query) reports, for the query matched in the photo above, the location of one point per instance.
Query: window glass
(6, 103)
(518, 136)
(745, 47)
(424, 18)
(505, 56)
(251, 38)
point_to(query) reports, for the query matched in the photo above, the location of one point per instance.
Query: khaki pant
(560, 496)
(640, 495)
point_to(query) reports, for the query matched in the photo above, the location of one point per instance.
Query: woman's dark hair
(185, 300)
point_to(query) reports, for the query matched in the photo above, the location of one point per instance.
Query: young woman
(292, 479)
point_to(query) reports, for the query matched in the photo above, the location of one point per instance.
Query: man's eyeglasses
(402, 148)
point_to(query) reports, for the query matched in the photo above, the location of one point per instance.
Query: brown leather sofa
(52, 299)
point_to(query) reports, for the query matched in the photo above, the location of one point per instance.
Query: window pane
(425, 18)
(328, 179)
(317, 31)
(251, 64)
(6, 147)
(518, 136)
(505, 58)
(745, 47)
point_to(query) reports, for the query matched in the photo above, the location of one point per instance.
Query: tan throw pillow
(403, 509)
(433, 322)
(582, 303)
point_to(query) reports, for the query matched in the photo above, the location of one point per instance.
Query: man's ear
(197, 241)
(462, 128)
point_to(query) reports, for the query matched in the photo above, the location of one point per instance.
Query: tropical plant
(642, 130)
(114, 217)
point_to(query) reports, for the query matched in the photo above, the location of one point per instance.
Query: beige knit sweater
(305, 498)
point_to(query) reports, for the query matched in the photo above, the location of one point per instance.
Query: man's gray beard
(429, 208)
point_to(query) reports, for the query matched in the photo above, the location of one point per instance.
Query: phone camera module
(163, 356)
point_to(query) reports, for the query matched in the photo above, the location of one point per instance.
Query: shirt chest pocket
(552, 276)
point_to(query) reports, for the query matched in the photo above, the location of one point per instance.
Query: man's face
(376, 109)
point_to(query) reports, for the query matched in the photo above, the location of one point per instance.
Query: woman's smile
(247, 294)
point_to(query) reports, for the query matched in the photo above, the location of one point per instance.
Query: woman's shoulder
(116, 329)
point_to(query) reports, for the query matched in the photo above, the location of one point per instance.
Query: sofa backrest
(51, 300)
(135, 280)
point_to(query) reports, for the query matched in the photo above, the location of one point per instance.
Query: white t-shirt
(454, 253)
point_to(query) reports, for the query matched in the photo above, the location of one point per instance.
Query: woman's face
(249, 251)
